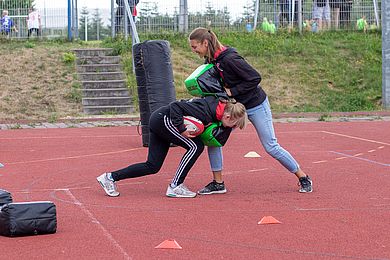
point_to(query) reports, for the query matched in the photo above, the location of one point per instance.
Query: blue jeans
(261, 118)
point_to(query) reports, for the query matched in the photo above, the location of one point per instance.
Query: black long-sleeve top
(207, 110)
(241, 78)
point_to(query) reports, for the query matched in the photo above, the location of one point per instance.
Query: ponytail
(237, 111)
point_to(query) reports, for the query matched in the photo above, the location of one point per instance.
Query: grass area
(332, 71)
(38, 80)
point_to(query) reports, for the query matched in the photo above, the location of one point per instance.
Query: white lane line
(359, 158)
(74, 188)
(76, 157)
(94, 220)
(320, 162)
(65, 137)
(357, 138)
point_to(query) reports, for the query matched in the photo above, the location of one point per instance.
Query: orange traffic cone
(269, 220)
(169, 244)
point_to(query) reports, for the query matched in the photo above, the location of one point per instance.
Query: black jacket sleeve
(176, 115)
(246, 78)
(203, 109)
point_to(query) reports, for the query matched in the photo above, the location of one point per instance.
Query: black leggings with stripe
(162, 134)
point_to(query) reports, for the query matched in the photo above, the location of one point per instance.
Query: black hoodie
(204, 109)
(241, 78)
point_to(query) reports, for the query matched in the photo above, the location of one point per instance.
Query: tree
(84, 22)
(249, 12)
(223, 17)
(98, 30)
(210, 13)
(149, 10)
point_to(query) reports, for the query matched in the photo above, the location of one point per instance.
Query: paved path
(133, 120)
(67, 124)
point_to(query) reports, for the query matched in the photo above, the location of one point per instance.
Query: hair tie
(232, 100)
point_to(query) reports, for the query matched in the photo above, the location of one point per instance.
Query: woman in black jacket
(242, 83)
(166, 127)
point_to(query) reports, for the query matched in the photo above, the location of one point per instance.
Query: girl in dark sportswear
(166, 127)
(242, 83)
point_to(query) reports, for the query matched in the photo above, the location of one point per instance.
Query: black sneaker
(213, 188)
(306, 184)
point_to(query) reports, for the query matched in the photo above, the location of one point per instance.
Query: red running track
(346, 217)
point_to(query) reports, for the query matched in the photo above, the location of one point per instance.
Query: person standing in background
(120, 13)
(6, 24)
(286, 10)
(335, 13)
(345, 13)
(321, 14)
(33, 22)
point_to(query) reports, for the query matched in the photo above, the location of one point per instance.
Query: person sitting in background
(265, 25)
(306, 25)
(361, 24)
(33, 22)
(314, 26)
(272, 27)
(6, 24)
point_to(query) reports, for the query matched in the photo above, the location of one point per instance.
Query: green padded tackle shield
(204, 81)
(215, 135)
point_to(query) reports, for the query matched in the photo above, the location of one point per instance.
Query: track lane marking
(75, 157)
(359, 158)
(94, 220)
(320, 162)
(74, 188)
(357, 138)
(65, 137)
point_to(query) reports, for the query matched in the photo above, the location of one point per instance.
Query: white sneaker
(181, 191)
(108, 185)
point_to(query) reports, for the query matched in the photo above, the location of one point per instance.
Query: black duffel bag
(5, 197)
(28, 218)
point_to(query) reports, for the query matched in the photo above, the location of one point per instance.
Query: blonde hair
(201, 34)
(237, 112)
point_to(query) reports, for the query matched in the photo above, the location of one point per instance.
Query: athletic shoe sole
(101, 184)
(213, 192)
(179, 196)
